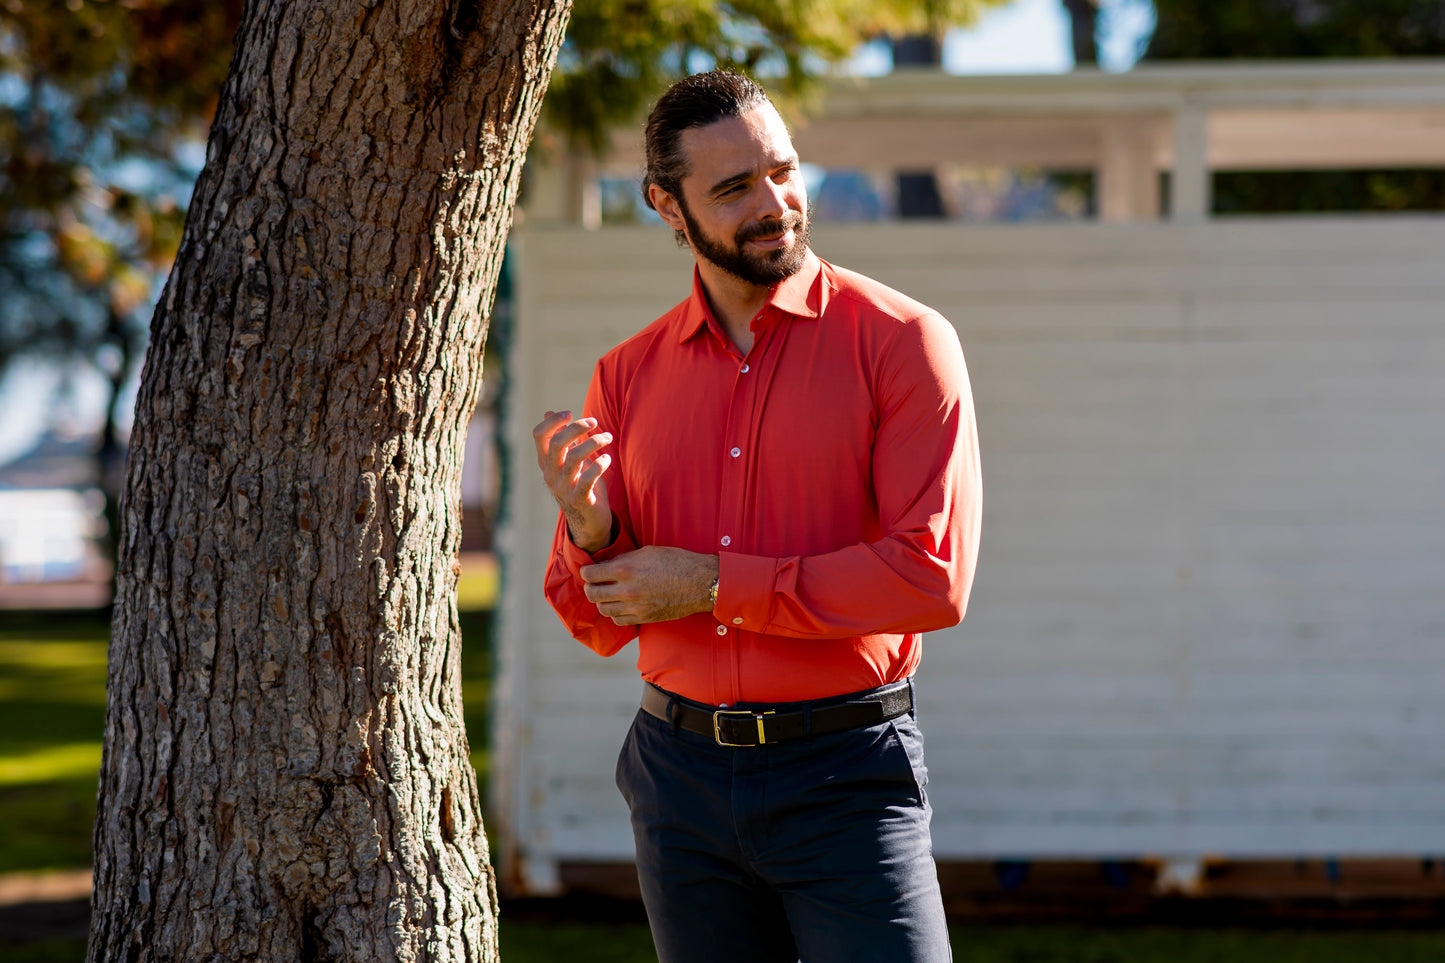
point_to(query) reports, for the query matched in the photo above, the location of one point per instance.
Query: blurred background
(1073, 145)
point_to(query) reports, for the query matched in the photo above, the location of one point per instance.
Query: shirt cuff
(745, 591)
(574, 558)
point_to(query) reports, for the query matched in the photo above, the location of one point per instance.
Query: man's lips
(772, 241)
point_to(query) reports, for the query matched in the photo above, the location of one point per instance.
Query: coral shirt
(834, 470)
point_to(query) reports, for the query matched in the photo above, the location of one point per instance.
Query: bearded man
(775, 488)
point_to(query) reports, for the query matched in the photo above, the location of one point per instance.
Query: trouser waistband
(762, 725)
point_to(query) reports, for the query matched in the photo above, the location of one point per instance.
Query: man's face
(743, 205)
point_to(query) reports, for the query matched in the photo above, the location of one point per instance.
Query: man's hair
(694, 101)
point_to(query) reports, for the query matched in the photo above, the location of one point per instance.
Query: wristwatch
(712, 593)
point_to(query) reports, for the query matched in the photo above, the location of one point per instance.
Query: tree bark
(286, 772)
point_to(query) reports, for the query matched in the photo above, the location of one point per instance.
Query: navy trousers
(816, 850)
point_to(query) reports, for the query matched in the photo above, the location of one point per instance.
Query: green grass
(52, 693)
(42, 951)
(477, 688)
(1056, 943)
(52, 714)
(52, 717)
(535, 941)
(480, 585)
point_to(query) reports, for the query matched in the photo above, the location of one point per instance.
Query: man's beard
(762, 268)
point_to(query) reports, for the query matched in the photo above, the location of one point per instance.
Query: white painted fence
(1209, 616)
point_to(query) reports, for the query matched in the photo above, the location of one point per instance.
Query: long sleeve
(563, 581)
(925, 466)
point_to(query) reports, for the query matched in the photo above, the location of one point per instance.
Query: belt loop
(808, 722)
(673, 716)
(912, 700)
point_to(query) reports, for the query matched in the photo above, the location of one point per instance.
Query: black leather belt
(792, 720)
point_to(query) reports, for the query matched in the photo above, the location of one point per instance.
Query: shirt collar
(803, 296)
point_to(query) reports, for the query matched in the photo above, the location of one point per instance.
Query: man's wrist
(592, 543)
(710, 581)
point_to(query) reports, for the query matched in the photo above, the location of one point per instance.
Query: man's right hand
(570, 456)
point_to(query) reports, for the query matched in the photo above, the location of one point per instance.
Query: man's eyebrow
(790, 161)
(728, 181)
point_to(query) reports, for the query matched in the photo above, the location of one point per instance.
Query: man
(775, 488)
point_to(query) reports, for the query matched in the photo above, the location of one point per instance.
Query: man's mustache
(790, 221)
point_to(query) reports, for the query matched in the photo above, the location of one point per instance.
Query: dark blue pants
(816, 850)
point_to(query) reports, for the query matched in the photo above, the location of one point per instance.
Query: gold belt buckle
(739, 713)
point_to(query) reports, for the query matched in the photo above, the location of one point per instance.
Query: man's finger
(603, 593)
(582, 453)
(543, 435)
(621, 613)
(587, 478)
(552, 423)
(567, 436)
(544, 429)
(600, 571)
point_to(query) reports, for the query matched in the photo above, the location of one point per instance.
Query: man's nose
(774, 201)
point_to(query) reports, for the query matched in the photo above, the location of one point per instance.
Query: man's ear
(666, 206)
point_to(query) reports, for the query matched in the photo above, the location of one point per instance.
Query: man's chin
(763, 268)
(783, 262)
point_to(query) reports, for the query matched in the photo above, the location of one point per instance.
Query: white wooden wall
(1209, 617)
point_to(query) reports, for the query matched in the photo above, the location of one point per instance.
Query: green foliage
(1209, 29)
(619, 54)
(95, 96)
(1279, 192)
(1273, 29)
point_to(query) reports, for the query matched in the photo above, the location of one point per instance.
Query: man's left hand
(655, 583)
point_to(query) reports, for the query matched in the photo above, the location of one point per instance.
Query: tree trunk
(1083, 23)
(286, 773)
(109, 456)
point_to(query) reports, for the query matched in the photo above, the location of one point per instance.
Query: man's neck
(734, 302)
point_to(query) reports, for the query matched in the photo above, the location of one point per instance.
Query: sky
(1024, 37)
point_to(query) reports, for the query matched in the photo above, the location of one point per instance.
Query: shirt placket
(738, 457)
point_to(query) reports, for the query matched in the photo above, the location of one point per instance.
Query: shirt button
(745, 369)
(736, 452)
(738, 620)
(727, 540)
(722, 630)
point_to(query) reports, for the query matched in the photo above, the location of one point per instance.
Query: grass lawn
(52, 713)
(52, 718)
(52, 703)
(531, 941)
